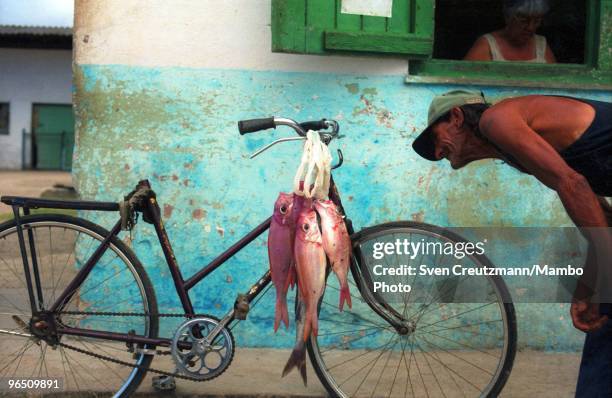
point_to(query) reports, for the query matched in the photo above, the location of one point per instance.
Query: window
(435, 34)
(4, 118)
(460, 22)
(319, 27)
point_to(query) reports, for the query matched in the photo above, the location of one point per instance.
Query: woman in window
(517, 41)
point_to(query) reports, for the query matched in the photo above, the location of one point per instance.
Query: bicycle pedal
(163, 383)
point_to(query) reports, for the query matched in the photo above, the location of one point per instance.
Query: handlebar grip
(315, 125)
(253, 125)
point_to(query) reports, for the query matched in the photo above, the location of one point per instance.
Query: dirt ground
(30, 183)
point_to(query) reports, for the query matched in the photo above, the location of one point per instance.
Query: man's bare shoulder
(559, 120)
(532, 102)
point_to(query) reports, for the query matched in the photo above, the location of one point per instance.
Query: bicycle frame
(182, 285)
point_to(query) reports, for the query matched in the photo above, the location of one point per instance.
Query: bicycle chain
(120, 362)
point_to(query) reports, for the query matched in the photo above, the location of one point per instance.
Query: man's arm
(507, 128)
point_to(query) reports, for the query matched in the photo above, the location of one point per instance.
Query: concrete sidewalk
(30, 183)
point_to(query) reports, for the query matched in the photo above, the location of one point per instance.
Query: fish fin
(345, 296)
(281, 313)
(291, 278)
(297, 358)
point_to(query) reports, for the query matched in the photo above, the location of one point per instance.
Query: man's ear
(456, 116)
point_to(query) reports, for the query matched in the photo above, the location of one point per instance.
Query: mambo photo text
(458, 250)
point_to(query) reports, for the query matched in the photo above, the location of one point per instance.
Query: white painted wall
(227, 34)
(27, 77)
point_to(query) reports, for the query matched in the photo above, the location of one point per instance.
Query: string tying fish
(313, 175)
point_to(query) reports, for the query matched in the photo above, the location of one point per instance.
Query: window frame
(595, 73)
(290, 16)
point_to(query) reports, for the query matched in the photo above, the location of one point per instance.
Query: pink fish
(337, 245)
(280, 254)
(310, 264)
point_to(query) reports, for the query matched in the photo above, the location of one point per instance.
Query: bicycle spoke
(450, 369)
(463, 326)
(457, 356)
(459, 314)
(421, 375)
(464, 345)
(432, 371)
(382, 370)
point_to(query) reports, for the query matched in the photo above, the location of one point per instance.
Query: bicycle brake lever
(265, 148)
(340, 160)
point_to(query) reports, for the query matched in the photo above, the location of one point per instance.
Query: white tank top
(540, 49)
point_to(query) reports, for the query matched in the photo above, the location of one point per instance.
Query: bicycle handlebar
(254, 125)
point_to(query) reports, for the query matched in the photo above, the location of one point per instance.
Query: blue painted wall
(177, 127)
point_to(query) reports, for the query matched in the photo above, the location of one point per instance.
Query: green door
(53, 130)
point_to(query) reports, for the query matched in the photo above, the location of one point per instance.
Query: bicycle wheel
(460, 334)
(117, 284)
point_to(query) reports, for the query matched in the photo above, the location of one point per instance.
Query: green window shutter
(605, 38)
(318, 27)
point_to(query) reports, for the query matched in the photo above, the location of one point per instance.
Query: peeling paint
(177, 127)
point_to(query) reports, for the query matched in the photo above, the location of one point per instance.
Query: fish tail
(345, 296)
(307, 326)
(297, 359)
(281, 313)
(311, 324)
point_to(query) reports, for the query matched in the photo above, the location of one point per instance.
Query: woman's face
(522, 27)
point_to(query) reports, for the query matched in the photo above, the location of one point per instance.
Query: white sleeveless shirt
(540, 49)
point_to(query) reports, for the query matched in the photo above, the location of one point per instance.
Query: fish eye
(283, 209)
(305, 227)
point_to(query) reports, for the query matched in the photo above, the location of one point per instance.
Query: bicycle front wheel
(459, 338)
(115, 290)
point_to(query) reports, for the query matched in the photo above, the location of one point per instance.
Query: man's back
(560, 121)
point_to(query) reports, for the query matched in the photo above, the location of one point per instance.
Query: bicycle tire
(76, 232)
(319, 356)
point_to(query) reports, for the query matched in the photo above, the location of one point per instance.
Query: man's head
(451, 126)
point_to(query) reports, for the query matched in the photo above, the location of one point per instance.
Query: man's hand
(586, 316)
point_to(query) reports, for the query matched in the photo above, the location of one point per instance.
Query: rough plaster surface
(177, 127)
(203, 34)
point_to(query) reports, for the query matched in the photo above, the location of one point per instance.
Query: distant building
(36, 119)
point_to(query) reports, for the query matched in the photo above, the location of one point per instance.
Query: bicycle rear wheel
(462, 337)
(60, 245)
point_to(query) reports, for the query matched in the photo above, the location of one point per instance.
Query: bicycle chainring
(195, 355)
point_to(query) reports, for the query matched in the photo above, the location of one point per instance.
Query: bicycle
(74, 293)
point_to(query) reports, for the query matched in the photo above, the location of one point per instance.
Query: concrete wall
(28, 77)
(159, 89)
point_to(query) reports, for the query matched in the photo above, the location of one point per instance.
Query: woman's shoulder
(480, 50)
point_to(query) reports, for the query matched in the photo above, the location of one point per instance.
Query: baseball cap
(440, 105)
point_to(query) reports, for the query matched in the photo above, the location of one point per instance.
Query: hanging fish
(298, 355)
(280, 254)
(337, 245)
(310, 264)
